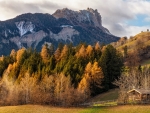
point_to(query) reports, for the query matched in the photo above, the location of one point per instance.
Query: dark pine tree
(111, 63)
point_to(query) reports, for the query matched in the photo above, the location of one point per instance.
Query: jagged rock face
(24, 27)
(89, 16)
(65, 26)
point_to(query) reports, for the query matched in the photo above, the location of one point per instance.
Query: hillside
(139, 44)
(109, 95)
(141, 38)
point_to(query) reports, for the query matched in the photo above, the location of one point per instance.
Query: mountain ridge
(64, 26)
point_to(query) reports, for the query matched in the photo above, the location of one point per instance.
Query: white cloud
(122, 11)
(132, 30)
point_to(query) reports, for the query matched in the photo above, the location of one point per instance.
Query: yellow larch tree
(19, 55)
(81, 52)
(13, 54)
(89, 50)
(84, 88)
(97, 46)
(88, 68)
(45, 53)
(96, 75)
(57, 54)
(64, 52)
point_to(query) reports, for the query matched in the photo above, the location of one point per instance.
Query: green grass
(109, 95)
(106, 104)
(49, 109)
(94, 110)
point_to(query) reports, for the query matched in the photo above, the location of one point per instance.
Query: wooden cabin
(139, 95)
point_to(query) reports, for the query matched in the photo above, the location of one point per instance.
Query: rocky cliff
(65, 26)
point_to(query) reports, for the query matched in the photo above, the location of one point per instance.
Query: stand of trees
(65, 76)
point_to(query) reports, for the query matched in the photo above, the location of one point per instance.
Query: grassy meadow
(49, 109)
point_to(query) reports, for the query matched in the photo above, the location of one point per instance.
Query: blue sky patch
(139, 21)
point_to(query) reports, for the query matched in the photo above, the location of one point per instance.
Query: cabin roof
(141, 91)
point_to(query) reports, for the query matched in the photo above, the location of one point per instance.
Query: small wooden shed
(139, 95)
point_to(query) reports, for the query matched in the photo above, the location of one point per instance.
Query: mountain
(66, 26)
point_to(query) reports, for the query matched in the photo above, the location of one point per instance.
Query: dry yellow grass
(129, 109)
(38, 109)
(131, 44)
(49, 109)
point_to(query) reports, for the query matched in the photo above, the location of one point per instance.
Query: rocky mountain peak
(64, 26)
(87, 17)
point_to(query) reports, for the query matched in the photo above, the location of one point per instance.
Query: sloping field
(48, 109)
(109, 95)
(144, 37)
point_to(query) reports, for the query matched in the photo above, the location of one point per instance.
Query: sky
(120, 17)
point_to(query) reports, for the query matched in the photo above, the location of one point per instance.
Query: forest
(63, 76)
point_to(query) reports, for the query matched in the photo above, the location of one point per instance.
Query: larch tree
(88, 68)
(26, 88)
(47, 87)
(7, 89)
(10, 67)
(13, 54)
(89, 50)
(45, 54)
(62, 84)
(81, 52)
(19, 56)
(84, 88)
(57, 54)
(97, 46)
(64, 52)
(95, 76)
(14, 72)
